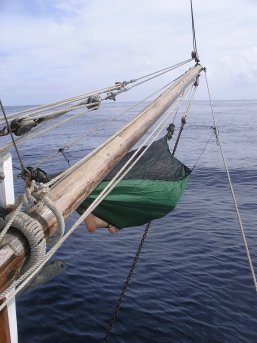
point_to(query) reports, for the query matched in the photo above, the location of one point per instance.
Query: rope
(232, 190)
(30, 136)
(160, 71)
(101, 196)
(117, 86)
(56, 114)
(193, 32)
(18, 204)
(59, 231)
(13, 141)
(184, 117)
(125, 286)
(76, 165)
(32, 230)
(113, 95)
(202, 152)
(38, 133)
(41, 108)
(97, 128)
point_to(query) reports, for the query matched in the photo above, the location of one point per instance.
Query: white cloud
(54, 49)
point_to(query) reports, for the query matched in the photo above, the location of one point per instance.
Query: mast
(83, 177)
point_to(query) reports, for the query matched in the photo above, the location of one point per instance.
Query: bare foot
(113, 229)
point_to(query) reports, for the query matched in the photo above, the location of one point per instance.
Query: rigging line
(76, 165)
(177, 65)
(75, 107)
(100, 126)
(184, 95)
(101, 196)
(202, 152)
(122, 89)
(56, 114)
(232, 190)
(13, 141)
(151, 78)
(184, 117)
(193, 27)
(41, 108)
(24, 138)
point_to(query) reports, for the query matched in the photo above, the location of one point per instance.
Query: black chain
(125, 286)
(183, 123)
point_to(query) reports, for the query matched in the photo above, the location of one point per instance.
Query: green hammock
(150, 190)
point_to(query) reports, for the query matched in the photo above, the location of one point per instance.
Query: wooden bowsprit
(82, 178)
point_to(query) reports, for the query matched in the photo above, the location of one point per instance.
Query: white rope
(34, 233)
(118, 86)
(39, 109)
(19, 203)
(151, 78)
(80, 162)
(232, 191)
(101, 196)
(56, 114)
(59, 231)
(38, 133)
(99, 127)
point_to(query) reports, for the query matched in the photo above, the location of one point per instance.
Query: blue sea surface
(192, 282)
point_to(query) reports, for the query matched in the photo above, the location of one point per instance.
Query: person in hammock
(150, 190)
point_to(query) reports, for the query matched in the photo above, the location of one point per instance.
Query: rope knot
(170, 131)
(216, 133)
(111, 96)
(93, 102)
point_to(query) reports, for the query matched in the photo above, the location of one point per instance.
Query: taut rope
(232, 190)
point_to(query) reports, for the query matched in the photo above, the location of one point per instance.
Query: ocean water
(192, 282)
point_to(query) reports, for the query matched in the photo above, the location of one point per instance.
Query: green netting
(149, 191)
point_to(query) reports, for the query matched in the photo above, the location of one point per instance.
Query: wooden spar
(82, 178)
(70, 191)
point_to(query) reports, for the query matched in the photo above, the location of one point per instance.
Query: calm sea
(192, 282)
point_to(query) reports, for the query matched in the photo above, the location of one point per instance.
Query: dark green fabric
(135, 202)
(150, 190)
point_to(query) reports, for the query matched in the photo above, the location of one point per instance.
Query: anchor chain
(125, 286)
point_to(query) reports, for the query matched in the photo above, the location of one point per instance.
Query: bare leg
(92, 223)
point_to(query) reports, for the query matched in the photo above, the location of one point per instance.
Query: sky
(53, 49)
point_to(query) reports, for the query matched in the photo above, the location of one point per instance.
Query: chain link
(125, 286)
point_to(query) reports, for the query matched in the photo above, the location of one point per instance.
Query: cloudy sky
(52, 49)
